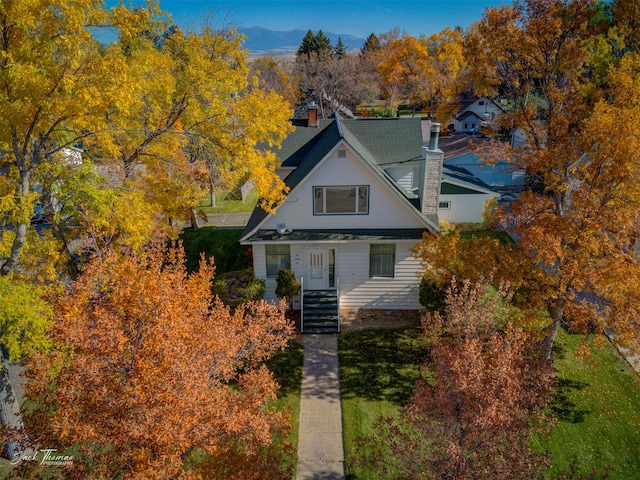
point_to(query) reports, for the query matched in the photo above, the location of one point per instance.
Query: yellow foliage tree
(55, 85)
(424, 69)
(151, 111)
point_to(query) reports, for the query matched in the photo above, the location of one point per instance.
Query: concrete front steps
(320, 311)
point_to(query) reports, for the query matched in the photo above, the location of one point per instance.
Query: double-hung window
(278, 256)
(352, 200)
(382, 260)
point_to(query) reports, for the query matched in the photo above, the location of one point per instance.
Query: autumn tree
(194, 116)
(152, 377)
(142, 117)
(477, 256)
(272, 73)
(331, 80)
(25, 316)
(55, 84)
(577, 218)
(424, 70)
(475, 416)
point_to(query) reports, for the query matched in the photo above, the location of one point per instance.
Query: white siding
(357, 290)
(402, 175)
(260, 267)
(489, 108)
(464, 208)
(386, 208)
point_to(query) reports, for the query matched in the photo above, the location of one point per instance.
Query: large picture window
(341, 200)
(382, 260)
(278, 256)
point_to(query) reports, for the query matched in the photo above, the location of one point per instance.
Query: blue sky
(352, 17)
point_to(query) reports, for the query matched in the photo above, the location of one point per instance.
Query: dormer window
(344, 200)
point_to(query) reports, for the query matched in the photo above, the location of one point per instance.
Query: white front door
(316, 269)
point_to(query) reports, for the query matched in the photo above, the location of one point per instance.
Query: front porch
(319, 311)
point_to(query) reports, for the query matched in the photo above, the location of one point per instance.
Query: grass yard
(597, 401)
(597, 405)
(378, 369)
(224, 204)
(286, 366)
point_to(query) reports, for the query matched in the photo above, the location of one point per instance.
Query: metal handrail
(301, 304)
(338, 297)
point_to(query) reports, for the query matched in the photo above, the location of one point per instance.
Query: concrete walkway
(320, 447)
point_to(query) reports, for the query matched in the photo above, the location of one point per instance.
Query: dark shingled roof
(377, 234)
(380, 142)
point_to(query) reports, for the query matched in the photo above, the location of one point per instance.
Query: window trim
(391, 274)
(324, 199)
(276, 255)
(446, 203)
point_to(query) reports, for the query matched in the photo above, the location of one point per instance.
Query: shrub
(287, 286)
(238, 287)
(221, 244)
(431, 295)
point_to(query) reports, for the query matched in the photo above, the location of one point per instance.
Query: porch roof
(371, 235)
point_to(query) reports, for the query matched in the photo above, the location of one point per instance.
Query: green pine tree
(309, 45)
(323, 45)
(340, 51)
(371, 44)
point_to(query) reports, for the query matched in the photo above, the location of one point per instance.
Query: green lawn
(597, 404)
(597, 401)
(378, 369)
(286, 366)
(224, 204)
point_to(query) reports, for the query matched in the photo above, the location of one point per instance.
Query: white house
(362, 194)
(475, 113)
(463, 196)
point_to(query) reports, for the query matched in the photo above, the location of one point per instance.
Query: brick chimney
(312, 115)
(430, 172)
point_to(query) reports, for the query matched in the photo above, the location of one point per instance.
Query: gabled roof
(466, 99)
(378, 142)
(466, 115)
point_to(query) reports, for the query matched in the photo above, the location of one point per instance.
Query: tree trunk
(556, 317)
(58, 233)
(193, 217)
(21, 231)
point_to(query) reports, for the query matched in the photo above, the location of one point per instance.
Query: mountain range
(261, 41)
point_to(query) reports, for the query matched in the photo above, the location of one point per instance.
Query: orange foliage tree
(152, 377)
(577, 219)
(475, 418)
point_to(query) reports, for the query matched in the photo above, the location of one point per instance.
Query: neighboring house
(361, 195)
(475, 114)
(463, 196)
(501, 177)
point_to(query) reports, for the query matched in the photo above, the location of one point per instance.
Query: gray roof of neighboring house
(466, 99)
(462, 177)
(468, 114)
